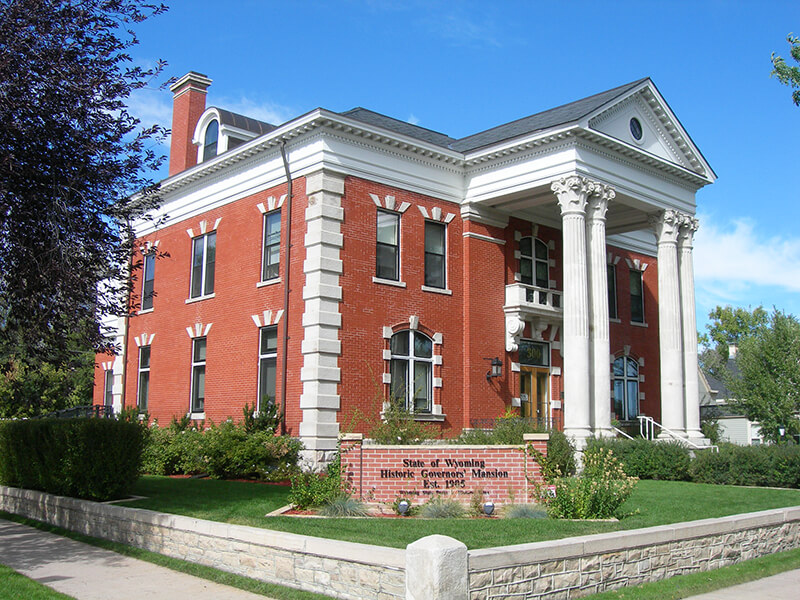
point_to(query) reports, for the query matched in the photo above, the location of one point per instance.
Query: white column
(669, 323)
(573, 193)
(686, 265)
(600, 346)
(322, 318)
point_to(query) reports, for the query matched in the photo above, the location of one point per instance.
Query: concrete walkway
(782, 586)
(89, 573)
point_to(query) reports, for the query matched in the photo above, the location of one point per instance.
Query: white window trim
(195, 414)
(261, 356)
(444, 289)
(277, 278)
(139, 378)
(399, 279)
(203, 269)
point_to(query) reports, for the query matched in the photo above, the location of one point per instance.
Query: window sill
(268, 282)
(429, 417)
(197, 416)
(613, 320)
(145, 311)
(199, 298)
(444, 291)
(635, 324)
(400, 284)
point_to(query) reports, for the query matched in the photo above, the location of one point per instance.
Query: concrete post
(436, 569)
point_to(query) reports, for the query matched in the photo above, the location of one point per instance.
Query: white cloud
(737, 264)
(269, 112)
(413, 119)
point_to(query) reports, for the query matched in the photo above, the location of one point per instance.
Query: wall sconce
(496, 369)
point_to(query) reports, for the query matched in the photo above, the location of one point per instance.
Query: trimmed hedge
(95, 459)
(666, 461)
(773, 466)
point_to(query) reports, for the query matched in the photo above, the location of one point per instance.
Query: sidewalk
(89, 573)
(776, 587)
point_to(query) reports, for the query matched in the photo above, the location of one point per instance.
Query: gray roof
(561, 115)
(232, 119)
(420, 133)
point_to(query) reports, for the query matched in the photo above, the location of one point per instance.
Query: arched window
(626, 388)
(411, 369)
(534, 267)
(211, 139)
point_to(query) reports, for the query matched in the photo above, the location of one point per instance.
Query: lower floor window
(411, 370)
(144, 378)
(198, 375)
(626, 388)
(267, 365)
(108, 388)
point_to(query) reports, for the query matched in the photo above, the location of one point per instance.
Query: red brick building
(340, 259)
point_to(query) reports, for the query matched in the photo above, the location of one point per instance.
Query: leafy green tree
(73, 164)
(767, 387)
(786, 74)
(728, 326)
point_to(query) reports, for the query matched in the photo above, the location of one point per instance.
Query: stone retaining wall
(343, 569)
(551, 570)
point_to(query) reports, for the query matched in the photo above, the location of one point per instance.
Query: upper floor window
(435, 255)
(270, 262)
(148, 276)
(143, 394)
(611, 274)
(411, 370)
(637, 297)
(267, 365)
(204, 252)
(211, 140)
(198, 375)
(534, 266)
(626, 388)
(388, 246)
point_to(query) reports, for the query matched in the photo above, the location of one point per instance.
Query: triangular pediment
(643, 120)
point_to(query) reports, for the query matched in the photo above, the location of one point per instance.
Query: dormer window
(210, 141)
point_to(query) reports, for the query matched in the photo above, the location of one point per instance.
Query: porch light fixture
(488, 508)
(496, 370)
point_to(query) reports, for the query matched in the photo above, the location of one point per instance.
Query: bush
(343, 506)
(399, 427)
(311, 490)
(439, 507)
(596, 494)
(560, 454)
(508, 430)
(524, 511)
(776, 466)
(645, 459)
(96, 459)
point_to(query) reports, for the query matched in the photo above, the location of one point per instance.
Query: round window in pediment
(636, 129)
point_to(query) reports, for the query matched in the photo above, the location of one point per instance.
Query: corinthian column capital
(573, 193)
(598, 201)
(688, 226)
(667, 226)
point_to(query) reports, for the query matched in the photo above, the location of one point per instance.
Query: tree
(786, 74)
(767, 388)
(73, 170)
(728, 326)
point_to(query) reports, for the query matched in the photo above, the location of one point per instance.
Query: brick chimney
(188, 103)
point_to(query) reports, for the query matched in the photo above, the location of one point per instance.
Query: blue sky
(462, 67)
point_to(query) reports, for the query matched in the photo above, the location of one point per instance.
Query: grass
(14, 586)
(684, 586)
(652, 503)
(270, 590)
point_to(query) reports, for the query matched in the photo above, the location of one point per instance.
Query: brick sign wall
(417, 473)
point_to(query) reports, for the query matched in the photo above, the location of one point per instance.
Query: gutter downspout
(287, 271)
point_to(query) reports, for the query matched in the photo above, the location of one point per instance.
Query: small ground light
(488, 508)
(402, 507)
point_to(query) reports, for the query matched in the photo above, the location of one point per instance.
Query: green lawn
(652, 503)
(14, 586)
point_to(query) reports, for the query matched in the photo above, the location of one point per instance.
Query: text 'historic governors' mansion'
(341, 259)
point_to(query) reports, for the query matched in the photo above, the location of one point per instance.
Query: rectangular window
(637, 297)
(204, 252)
(611, 273)
(148, 275)
(270, 263)
(108, 388)
(198, 375)
(267, 365)
(435, 261)
(144, 378)
(388, 246)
